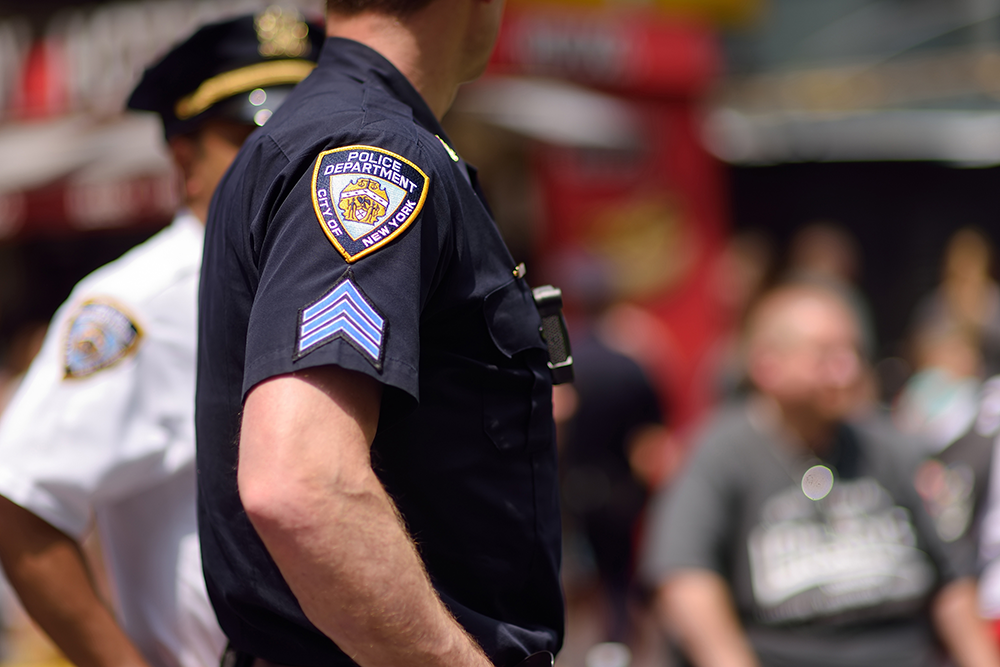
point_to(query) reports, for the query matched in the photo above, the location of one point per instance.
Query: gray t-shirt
(841, 580)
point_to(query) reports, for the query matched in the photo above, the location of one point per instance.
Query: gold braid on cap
(227, 84)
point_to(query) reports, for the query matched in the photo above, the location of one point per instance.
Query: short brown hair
(393, 7)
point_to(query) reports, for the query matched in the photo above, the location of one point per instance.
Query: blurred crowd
(830, 497)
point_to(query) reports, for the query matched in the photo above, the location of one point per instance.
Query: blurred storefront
(80, 181)
(588, 129)
(592, 110)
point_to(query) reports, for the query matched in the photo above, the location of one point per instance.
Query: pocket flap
(512, 319)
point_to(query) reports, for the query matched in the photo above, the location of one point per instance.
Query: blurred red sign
(42, 89)
(655, 216)
(639, 52)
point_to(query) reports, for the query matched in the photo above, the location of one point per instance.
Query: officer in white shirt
(101, 432)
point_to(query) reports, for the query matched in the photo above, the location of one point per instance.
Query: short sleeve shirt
(102, 430)
(841, 576)
(348, 232)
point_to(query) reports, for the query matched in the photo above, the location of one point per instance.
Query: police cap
(240, 69)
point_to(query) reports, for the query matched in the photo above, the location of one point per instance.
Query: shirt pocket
(517, 392)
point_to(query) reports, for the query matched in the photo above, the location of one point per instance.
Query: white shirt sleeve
(69, 444)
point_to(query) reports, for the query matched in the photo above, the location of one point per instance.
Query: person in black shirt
(377, 468)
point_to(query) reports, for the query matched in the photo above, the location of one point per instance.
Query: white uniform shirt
(103, 427)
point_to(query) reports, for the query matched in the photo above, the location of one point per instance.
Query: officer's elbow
(267, 502)
(272, 490)
(288, 500)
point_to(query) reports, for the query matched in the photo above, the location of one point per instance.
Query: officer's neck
(427, 47)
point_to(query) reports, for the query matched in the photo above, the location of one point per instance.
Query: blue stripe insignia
(344, 312)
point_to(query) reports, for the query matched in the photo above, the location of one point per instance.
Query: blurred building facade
(604, 100)
(881, 115)
(642, 130)
(80, 181)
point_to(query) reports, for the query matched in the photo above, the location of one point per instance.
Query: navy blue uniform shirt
(348, 232)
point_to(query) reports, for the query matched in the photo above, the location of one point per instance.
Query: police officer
(102, 427)
(376, 462)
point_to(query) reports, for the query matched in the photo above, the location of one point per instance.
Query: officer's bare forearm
(49, 573)
(306, 482)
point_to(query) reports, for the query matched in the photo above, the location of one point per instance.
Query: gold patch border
(350, 259)
(129, 351)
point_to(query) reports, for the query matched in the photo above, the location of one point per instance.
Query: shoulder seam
(280, 148)
(88, 292)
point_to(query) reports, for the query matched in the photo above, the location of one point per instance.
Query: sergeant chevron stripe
(345, 313)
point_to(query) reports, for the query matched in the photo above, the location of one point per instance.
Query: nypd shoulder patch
(99, 336)
(365, 197)
(346, 313)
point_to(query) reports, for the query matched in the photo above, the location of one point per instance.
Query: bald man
(795, 537)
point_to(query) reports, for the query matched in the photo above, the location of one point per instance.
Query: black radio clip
(548, 300)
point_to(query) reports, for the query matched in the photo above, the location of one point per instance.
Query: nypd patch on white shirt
(346, 313)
(365, 197)
(99, 336)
